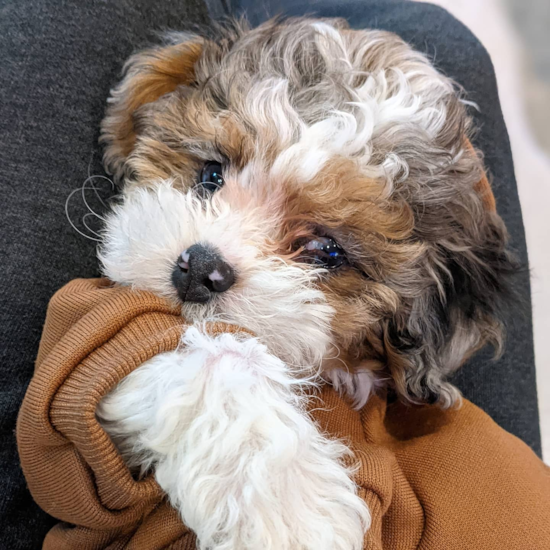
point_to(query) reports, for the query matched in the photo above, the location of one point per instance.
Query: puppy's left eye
(211, 178)
(323, 252)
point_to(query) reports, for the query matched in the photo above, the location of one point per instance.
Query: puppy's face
(316, 186)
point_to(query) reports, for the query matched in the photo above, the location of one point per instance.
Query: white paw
(224, 425)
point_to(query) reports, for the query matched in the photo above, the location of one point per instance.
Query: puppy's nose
(200, 272)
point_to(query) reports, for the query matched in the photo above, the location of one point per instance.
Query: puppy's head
(315, 185)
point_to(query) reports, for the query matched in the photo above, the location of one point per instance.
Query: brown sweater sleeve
(94, 335)
(433, 479)
(443, 479)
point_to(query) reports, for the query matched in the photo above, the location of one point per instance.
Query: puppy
(314, 185)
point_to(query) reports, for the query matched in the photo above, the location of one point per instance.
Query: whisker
(85, 224)
(91, 178)
(83, 189)
(71, 221)
(92, 235)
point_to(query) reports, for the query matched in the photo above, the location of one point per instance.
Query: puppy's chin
(201, 313)
(281, 306)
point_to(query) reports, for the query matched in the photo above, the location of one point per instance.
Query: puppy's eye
(211, 178)
(323, 252)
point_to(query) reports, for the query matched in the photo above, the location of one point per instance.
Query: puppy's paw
(224, 425)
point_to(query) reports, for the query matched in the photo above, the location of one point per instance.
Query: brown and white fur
(322, 132)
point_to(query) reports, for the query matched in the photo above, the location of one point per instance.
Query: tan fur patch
(149, 75)
(483, 187)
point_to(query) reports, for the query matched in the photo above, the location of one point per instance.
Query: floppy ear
(148, 75)
(462, 312)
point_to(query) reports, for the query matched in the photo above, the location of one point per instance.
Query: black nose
(200, 272)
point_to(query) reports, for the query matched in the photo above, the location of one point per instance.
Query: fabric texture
(433, 479)
(94, 336)
(59, 60)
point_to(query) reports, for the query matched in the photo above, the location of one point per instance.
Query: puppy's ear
(470, 272)
(148, 75)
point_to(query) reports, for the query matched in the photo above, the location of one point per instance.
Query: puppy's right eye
(211, 178)
(323, 252)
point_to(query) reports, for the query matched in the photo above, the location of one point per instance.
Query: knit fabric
(433, 479)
